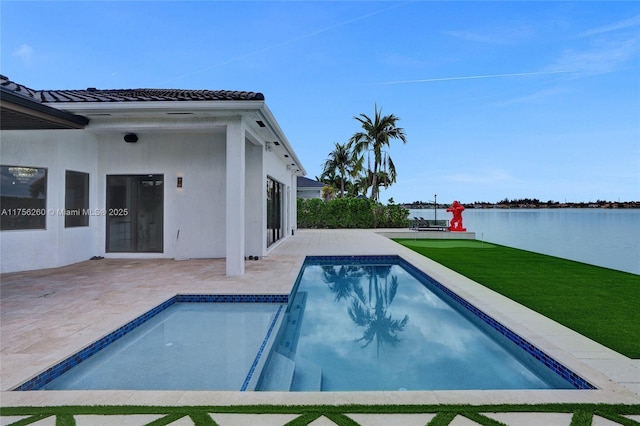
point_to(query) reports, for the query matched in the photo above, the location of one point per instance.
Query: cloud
(498, 33)
(534, 97)
(481, 76)
(602, 59)
(292, 40)
(616, 26)
(24, 52)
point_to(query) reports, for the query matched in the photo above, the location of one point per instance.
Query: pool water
(362, 326)
(187, 346)
(362, 323)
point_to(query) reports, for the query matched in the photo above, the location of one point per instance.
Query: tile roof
(303, 182)
(17, 89)
(20, 109)
(127, 95)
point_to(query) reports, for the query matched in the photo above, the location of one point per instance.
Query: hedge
(350, 213)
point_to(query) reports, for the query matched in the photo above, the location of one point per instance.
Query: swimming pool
(189, 342)
(351, 323)
(378, 323)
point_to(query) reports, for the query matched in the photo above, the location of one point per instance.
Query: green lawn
(600, 303)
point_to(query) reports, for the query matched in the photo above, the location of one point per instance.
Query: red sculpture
(456, 223)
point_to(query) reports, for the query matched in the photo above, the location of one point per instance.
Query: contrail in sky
(289, 41)
(471, 77)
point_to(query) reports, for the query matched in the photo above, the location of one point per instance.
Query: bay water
(602, 237)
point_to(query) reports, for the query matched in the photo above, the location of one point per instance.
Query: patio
(47, 315)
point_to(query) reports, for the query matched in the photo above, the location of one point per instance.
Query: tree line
(345, 172)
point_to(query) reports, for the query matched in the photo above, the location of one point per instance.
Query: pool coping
(615, 375)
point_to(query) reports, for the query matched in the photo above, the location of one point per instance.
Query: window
(23, 198)
(274, 211)
(76, 199)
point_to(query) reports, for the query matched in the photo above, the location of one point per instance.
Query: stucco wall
(196, 209)
(57, 151)
(255, 236)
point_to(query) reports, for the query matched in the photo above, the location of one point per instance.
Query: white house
(309, 188)
(141, 173)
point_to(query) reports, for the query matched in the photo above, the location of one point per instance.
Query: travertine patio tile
(224, 419)
(322, 421)
(601, 421)
(7, 420)
(108, 397)
(392, 419)
(168, 398)
(532, 419)
(183, 421)
(462, 421)
(49, 421)
(48, 314)
(116, 420)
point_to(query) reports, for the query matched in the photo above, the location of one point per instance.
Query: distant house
(141, 173)
(309, 188)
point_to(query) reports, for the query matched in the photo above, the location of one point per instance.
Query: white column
(235, 197)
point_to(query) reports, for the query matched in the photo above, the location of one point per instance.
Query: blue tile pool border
(261, 350)
(555, 366)
(62, 367)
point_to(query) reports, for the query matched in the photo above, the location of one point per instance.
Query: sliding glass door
(274, 211)
(135, 209)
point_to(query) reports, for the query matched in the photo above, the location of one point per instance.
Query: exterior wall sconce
(268, 147)
(179, 181)
(131, 138)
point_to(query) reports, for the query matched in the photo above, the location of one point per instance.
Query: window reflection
(274, 211)
(76, 199)
(23, 194)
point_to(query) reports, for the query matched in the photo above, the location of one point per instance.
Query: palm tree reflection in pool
(342, 281)
(368, 311)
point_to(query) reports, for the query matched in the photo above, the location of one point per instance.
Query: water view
(363, 327)
(603, 237)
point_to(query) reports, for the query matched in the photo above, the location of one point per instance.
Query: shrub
(350, 213)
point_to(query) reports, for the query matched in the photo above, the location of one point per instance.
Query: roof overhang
(193, 116)
(20, 113)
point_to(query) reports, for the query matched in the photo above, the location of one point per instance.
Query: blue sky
(498, 99)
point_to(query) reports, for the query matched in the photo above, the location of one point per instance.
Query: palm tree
(376, 136)
(341, 163)
(361, 184)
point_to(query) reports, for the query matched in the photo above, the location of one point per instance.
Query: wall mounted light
(131, 138)
(179, 181)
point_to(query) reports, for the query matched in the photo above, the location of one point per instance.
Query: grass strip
(444, 414)
(597, 302)
(483, 420)
(304, 419)
(442, 419)
(317, 410)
